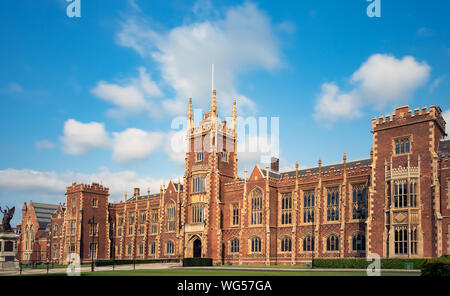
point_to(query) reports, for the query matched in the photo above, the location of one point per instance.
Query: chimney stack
(274, 164)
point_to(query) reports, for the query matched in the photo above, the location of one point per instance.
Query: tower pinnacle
(190, 115)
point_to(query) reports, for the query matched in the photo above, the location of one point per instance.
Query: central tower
(211, 161)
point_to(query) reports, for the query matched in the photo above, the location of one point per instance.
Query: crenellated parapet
(405, 116)
(94, 188)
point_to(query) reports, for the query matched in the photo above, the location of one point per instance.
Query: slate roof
(444, 148)
(314, 170)
(43, 213)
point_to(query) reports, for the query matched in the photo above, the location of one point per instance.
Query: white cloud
(333, 104)
(45, 144)
(244, 39)
(30, 181)
(380, 81)
(134, 145)
(79, 137)
(53, 184)
(384, 78)
(133, 96)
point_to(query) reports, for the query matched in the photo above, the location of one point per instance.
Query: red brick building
(395, 203)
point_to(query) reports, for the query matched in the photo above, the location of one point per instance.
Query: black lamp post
(91, 222)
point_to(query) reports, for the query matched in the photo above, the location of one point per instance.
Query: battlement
(93, 188)
(405, 116)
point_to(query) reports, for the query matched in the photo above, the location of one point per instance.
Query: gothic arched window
(256, 207)
(234, 245)
(256, 244)
(286, 244)
(332, 243)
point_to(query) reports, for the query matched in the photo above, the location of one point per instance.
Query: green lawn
(198, 272)
(268, 266)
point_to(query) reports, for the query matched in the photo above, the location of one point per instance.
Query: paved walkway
(412, 271)
(97, 268)
(178, 265)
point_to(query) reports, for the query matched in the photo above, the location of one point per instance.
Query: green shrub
(197, 262)
(362, 263)
(436, 267)
(122, 262)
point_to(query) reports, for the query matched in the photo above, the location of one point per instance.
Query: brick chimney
(274, 164)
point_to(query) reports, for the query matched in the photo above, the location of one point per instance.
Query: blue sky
(93, 98)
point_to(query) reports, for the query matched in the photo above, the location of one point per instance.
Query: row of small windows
(307, 244)
(169, 248)
(199, 156)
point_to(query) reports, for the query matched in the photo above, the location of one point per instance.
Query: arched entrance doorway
(197, 246)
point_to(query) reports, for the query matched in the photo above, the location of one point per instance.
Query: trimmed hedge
(362, 263)
(122, 262)
(436, 267)
(197, 262)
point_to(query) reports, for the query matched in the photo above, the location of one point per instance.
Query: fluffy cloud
(129, 146)
(333, 104)
(79, 137)
(134, 145)
(244, 39)
(381, 80)
(384, 79)
(133, 96)
(53, 185)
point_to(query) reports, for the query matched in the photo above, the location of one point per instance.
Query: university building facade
(395, 203)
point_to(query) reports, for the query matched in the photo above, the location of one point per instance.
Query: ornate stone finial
(125, 196)
(296, 169)
(245, 173)
(320, 165)
(267, 171)
(190, 113)
(214, 104)
(148, 191)
(345, 160)
(234, 116)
